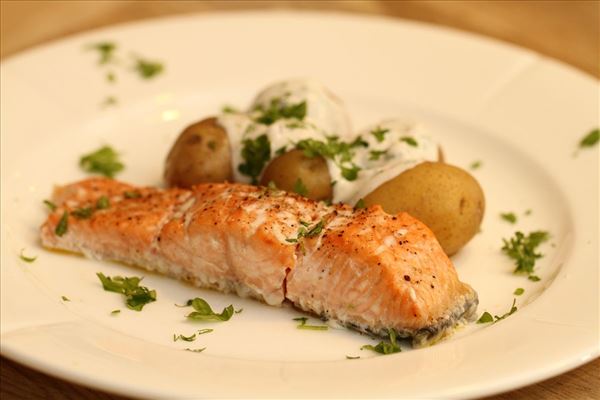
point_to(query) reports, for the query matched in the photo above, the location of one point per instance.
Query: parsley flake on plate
(509, 217)
(475, 165)
(104, 161)
(148, 69)
(195, 350)
(106, 51)
(115, 312)
(409, 140)
(136, 296)
(486, 317)
(203, 312)
(519, 291)
(379, 133)
(590, 139)
(385, 347)
(522, 249)
(302, 325)
(26, 258)
(64, 298)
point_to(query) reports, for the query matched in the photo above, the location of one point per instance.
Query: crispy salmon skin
(366, 269)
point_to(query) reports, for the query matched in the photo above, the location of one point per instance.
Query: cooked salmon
(366, 269)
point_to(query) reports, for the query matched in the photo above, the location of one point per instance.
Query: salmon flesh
(365, 269)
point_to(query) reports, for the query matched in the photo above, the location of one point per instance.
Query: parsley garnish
(111, 77)
(528, 212)
(63, 225)
(350, 173)
(280, 151)
(519, 291)
(195, 350)
(205, 313)
(409, 140)
(360, 204)
(486, 317)
(256, 153)
(115, 312)
(227, 109)
(82, 213)
(385, 347)
(379, 133)
(136, 296)
(522, 248)
(374, 155)
(148, 69)
(132, 195)
(51, 206)
(109, 101)
(277, 109)
(64, 298)
(103, 203)
(300, 188)
(25, 258)
(103, 161)
(106, 51)
(305, 232)
(475, 165)
(534, 278)
(190, 338)
(509, 217)
(352, 357)
(302, 325)
(590, 139)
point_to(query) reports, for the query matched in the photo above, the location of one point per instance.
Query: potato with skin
(200, 154)
(293, 167)
(446, 198)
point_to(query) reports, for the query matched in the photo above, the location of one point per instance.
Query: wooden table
(566, 30)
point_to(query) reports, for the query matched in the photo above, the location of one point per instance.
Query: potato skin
(287, 168)
(446, 198)
(200, 154)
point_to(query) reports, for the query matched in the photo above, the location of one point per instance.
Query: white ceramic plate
(520, 114)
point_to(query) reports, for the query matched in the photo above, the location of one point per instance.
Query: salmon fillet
(366, 269)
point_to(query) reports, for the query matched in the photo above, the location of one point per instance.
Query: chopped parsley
(111, 77)
(379, 133)
(190, 338)
(227, 109)
(534, 278)
(475, 165)
(360, 204)
(409, 140)
(486, 317)
(385, 347)
(195, 350)
(300, 188)
(109, 101)
(104, 161)
(63, 225)
(302, 325)
(147, 69)
(519, 291)
(115, 312)
(374, 155)
(509, 217)
(522, 249)
(256, 153)
(51, 206)
(203, 311)
(82, 212)
(334, 149)
(25, 258)
(106, 50)
(590, 139)
(303, 232)
(528, 212)
(278, 109)
(132, 194)
(103, 203)
(136, 296)
(280, 151)
(64, 298)
(352, 357)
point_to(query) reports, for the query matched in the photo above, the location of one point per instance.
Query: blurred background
(565, 30)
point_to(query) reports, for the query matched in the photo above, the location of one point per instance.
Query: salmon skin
(365, 269)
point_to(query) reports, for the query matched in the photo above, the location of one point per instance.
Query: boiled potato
(292, 171)
(200, 154)
(446, 198)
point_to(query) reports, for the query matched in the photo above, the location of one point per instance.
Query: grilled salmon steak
(366, 269)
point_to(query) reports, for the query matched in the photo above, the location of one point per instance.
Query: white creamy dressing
(326, 117)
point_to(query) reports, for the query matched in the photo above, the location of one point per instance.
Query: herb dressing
(290, 112)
